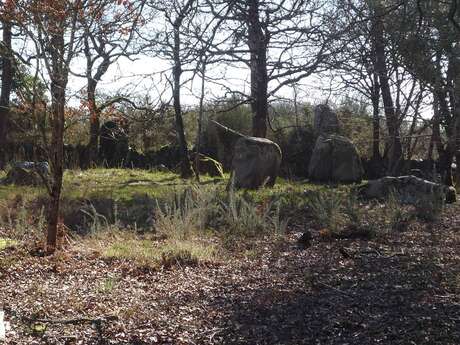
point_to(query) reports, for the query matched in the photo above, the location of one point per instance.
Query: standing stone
(335, 159)
(325, 120)
(113, 145)
(255, 163)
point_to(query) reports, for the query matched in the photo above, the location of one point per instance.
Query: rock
(25, 175)
(226, 139)
(408, 189)
(255, 162)
(335, 159)
(208, 165)
(40, 167)
(325, 120)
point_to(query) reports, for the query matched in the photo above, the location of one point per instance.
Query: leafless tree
(281, 42)
(52, 27)
(7, 82)
(109, 31)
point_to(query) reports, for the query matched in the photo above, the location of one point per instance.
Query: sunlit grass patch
(162, 254)
(150, 251)
(7, 243)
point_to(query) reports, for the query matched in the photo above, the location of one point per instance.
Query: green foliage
(108, 285)
(242, 216)
(397, 217)
(195, 210)
(429, 208)
(353, 209)
(325, 206)
(356, 124)
(189, 211)
(21, 223)
(97, 221)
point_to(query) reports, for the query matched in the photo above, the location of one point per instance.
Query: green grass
(131, 195)
(156, 254)
(118, 184)
(7, 243)
(126, 184)
(122, 184)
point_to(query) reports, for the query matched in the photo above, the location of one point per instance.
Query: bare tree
(109, 31)
(52, 26)
(430, 51)
(174, 43)
(281, 42)
(7, 82)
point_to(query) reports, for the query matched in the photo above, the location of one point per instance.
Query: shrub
(397, 216)
(430, 207)
(188, 212)
(241, 215)
(325, 206)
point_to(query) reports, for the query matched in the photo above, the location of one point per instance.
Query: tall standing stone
(325, 120)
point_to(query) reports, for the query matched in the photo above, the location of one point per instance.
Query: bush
(325, 206)
(188, 212)
(196, 211)
(430, 207)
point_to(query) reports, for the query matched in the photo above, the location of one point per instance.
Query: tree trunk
(376, 120)
(395, 147)
(7, 81)
(56, 160)
(257, 42)
(186, 168)
(58, 91)
(200, 121)
(94, 129)
(455, 61)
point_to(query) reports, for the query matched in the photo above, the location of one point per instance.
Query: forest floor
(398, 288)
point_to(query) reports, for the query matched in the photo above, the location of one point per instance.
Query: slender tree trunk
(56, 159)
(376, 120)
(7, 81)
(186, 168)
(94, 121)
(58, 98)
(395, 147)
(455, 61)
(257, 42)
(200, 121)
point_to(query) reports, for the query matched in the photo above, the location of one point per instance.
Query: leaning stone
(255, 163)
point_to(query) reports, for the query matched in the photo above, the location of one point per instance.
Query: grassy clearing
(118, 184)
(157, 219)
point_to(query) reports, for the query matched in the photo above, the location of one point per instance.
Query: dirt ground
(403, 288)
